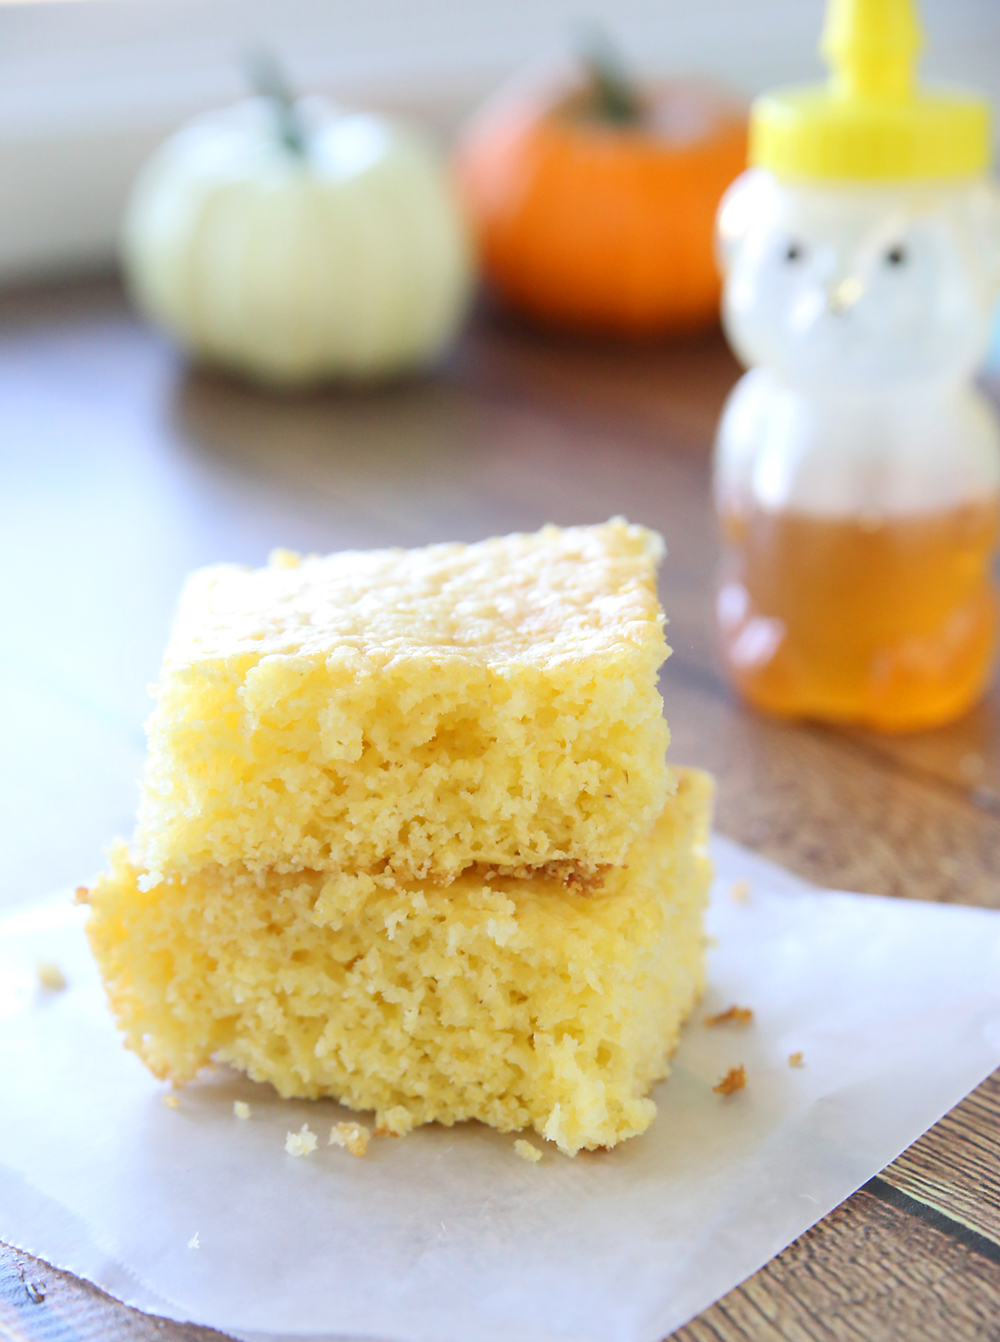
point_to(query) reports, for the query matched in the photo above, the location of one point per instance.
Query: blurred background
(123, 464)
(89, 87)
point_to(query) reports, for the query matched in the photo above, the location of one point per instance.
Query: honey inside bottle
(857, 464)
(889, 622)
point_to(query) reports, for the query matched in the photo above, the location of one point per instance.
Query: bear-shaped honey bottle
(857, 468)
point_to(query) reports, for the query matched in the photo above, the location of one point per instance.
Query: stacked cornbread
(408, 838)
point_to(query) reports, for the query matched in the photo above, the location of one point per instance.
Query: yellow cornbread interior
(517, 1001)
(417, 710)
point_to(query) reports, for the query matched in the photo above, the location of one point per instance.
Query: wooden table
(121, 470)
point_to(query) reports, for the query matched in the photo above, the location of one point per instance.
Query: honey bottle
(857, 468)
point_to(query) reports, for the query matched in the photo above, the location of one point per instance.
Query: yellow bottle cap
(871, 121)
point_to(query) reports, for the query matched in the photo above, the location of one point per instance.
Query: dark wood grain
(868, 1271)
(954, 1169)
(122, 469)
(40, 1304)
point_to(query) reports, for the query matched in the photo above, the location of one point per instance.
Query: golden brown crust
(575, 876)
(734, 1080)
(736, 1015)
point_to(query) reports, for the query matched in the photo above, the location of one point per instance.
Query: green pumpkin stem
(615, 98)
(267, 79)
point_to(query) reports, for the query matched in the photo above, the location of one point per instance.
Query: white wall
(88, 87)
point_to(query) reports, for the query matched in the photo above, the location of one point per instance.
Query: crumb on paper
(734, 1015)
(301, 1143)
(51, 976)
(193, 1241)
(796, 1059)
(740, 890)
(734, 1080)
(241, 1109)
(395, 1122)
(81, 895)
(353, 1137)
(527, 1151)
(171, 1101)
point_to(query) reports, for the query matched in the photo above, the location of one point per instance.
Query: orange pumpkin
(595, 212)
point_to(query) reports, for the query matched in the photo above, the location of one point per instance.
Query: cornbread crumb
(301, 1143)
(519, 1002)
(740, 891)
(81, 895)
(416, 711)
(241, 1109)
(51, 976)
(736, 1015)
(353, 1136)
(396, 1122)
(526, 1151)
(193, 1241)
(171, 1101)
(796, 1059)
(734, 1080)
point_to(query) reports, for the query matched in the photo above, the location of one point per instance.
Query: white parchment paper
(447, 1235)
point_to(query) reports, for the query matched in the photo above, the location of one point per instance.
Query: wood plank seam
(946, 1225)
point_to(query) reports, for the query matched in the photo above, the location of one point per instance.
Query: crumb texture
(527, 1152)
(301, 1143)
(520, 1001)
(353, 1137)
(419, 711)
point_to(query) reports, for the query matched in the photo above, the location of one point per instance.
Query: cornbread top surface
(561, 592)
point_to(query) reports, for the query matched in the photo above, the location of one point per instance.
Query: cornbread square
(413, 710)
(521, 1002)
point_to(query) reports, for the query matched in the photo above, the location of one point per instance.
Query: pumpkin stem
(611, 84)
(267, 79)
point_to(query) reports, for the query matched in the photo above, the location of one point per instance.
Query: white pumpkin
(343, 257)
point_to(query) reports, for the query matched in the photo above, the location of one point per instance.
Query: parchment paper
(447, 1235)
